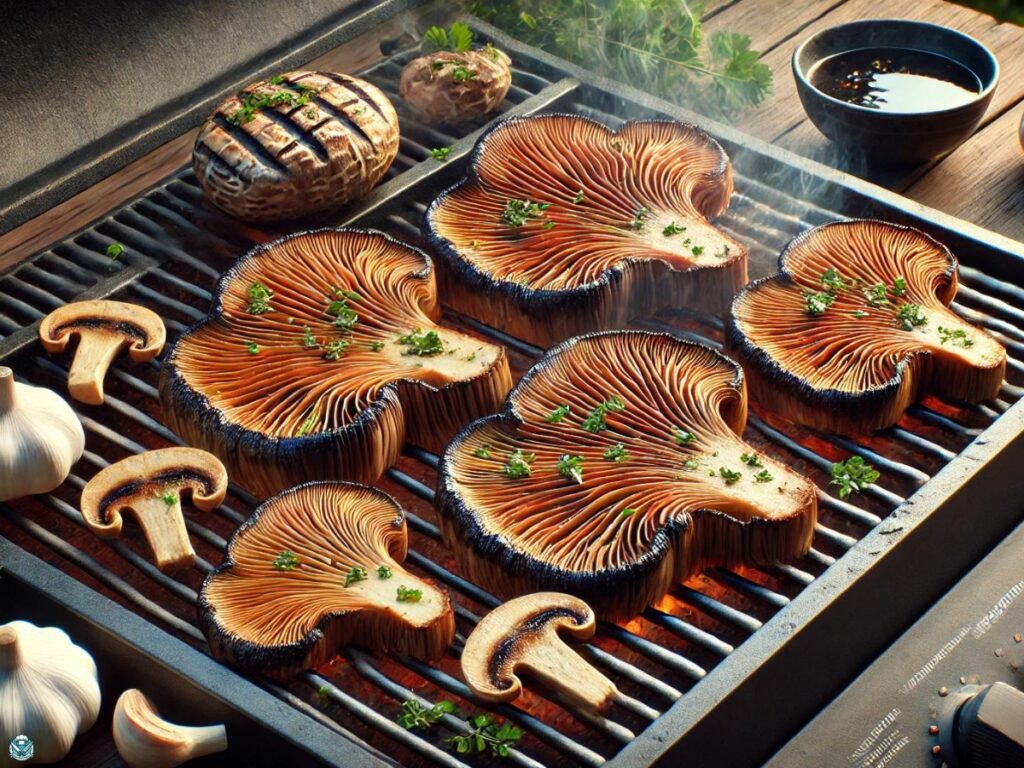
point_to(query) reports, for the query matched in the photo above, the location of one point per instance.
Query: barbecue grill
(722, 670)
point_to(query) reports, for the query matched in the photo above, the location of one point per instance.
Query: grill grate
(175, 249)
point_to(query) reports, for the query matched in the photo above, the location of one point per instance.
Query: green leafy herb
(309, 340)
(764, 476)
(817, 303)
(627, 512)
(491, 51)
(461, 74)
(876, 295)
(853, 475)
(355, 573)
(416, 717)
(899, 286)
(831, 280)
(277, 79)
(383, 572)
(518, 212)
(691, 464)
(458, 38)
(169, 498)
(596, 421)
(859, 313)
(956, 336)
(616, 453)
(518, 464)
(728, 475)
(311, 421)
(254, 102)
(579, 197)
(557, 415)
(406, 595)
(637, 223)
(359, 110)
(344, 316)
(486, 735)
(909, 317)
(335, 350)
(751, 459)
(697, 250)
(682, 437)
(571, 467)
(483, 452)
(311, 113)
(252, 347)
(286, 561)
(440, 153)
(376, 346)
(114, 251)
(259, 299)
(421, 343)
(673, 229)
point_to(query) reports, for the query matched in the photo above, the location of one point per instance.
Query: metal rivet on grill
(933, 729)
(936, 749)
(943, 691)
(1017, 638)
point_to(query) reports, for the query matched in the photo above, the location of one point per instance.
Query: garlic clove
(146, 740)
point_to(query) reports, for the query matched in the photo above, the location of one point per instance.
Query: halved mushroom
(563, 226)
(145, 740)
(615, 469)
(294, 145)
(856, 327)
(314, 569)
(450, 87)
(104, 330)
(320, 357)
(523, 635)
(151, 486)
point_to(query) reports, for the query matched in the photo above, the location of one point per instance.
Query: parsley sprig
(518, 212)
(457, 39)
(853, 475)
(518, 464)
(597, 420)
(421, 343)
(285, 561)
(483, 732)
(571, 467)
(957, 337)
(259, 299)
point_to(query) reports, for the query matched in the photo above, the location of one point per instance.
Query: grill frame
(778, 652)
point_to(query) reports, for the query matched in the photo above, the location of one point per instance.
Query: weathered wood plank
(769, 22)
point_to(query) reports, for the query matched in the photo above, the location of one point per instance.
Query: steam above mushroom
(316, 568)
(563, 226)
(856, 327)
(146, 740)
(151, 486)
(321, 356)
(104, 330)
(616, 469)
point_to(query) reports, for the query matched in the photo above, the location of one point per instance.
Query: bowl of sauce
(899, 92)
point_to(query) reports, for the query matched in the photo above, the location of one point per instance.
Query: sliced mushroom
(146, 740)
(856, 326)
(523, 636)
(104, 330)
(313, 569)
(151, 485)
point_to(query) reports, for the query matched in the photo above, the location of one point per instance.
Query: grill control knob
(982, 726)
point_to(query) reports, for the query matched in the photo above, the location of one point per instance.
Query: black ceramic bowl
(894, 138)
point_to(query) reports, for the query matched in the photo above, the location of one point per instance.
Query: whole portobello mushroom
(455, 86)
(296, 144)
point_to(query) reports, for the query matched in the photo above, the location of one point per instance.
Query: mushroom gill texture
(294, 145)
(448, 87)
(320, 357)
(856, 326)
(314, 569)
(563, 226)
(616, 469)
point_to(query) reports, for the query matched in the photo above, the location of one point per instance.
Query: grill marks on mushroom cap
(860, 372)
(293, 160)
(599, 251)
(282, 621)
(546, 532)
(352, 413)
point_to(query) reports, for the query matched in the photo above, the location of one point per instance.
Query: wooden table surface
(981, 181)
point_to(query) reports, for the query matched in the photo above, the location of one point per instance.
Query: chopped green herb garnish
(728, 475)
(383, 572)
(853, 475)
(579, 197)
(406, 595)
(616, 453)
(483, 452)
(344, 316)
(724, 253)
(571, 467)
(169, 498)
(311, 113)
(691, 464)
(461, 74)
(517, 212)
(637, 222)
(518, 464)
(817, 303)
(859, 313)
(359, 110)
(557, 415)
(697, 250)
(421, 343)
(309, 423)
(682, 437)
(764, 476)
(956, 336)
(899, 286)
(549, 224)
(831, 280)
(440, 153)
(751, 459)
(252, 347)
(259, 299)
(909, 317)
(627, 512)
(376, 346)
(277, 79)
(355, 573)
(491, 51)
(672, 229)
(114, 251)
(876, 295)
(254, 102)
(309, 340)
(285, 561)
(335, 350)
(416, 717)
(596, 421)
(458, 38)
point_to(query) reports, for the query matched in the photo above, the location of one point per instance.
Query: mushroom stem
(561, 669)
(164, 526)
(10, 650)
(7, 397)
(94, 356)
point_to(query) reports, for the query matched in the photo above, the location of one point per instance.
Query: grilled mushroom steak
(447, 87)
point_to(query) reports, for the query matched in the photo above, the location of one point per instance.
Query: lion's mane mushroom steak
(615, 469)
(856, 326)
(320, 358)
(104, 330)
(563, 226)
(294, 145)
(314, 569)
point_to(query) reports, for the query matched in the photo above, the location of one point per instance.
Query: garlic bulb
(40, 438)
(48, 689)
(146, 740)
